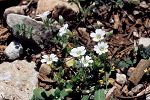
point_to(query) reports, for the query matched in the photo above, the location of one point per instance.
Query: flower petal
(45, 56)
(93, 35)
(43, 60)
(49, 62)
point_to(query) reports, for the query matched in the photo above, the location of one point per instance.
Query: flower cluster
(80, 52)
(44, 15)
(101, 48)
(77, 52)
(63, 30)
(49, 59)
(86, 61)
(98, 36)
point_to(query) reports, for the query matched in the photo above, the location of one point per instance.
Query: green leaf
(85, 97)
(61, 20)
(99, 94)
(128, 61)
(39, 94)
(120, 2)
(57, 92)
(63, 94)
(123, 64)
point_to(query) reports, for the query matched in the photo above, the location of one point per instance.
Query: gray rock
(17, 80)
(135, 12)
(13, 50)
(148, 97)
(39, 32)
(143, 4)
(15, 9)
(144, 41)
(121, 78)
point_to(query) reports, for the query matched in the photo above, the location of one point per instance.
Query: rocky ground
(39, 62)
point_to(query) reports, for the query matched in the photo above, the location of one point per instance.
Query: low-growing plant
(80, 70)
(80, 74)
(144, 52)
(126, 63)
(24, 30)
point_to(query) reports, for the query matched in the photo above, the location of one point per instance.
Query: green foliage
(99, 94)
(127, 62)
(85, 7)
(76, 79)
(61, 20)
(85, 97)
(59, 94)
(48, 23)
(120, 3)
(55, 94)
(64, 39)
(24, 30)
(144, 52)
(39, 94)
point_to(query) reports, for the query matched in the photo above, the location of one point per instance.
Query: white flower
(63, 30)
(49, 59)
(86, 61)
(43, 15)
(77, 52)
(101, 47)
(98, 35)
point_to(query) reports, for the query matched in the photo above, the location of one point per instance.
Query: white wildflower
(48, 59)
(77, 52)
(43, 15)
(101, 48)
(98, 35)
(63, 30)
(85, 61)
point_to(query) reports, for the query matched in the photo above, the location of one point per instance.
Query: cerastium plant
(24, 30)
(81, 70)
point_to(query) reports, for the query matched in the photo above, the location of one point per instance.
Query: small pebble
(143, 5)
(121, 78)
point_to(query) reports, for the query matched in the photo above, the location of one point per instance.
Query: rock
(14, 50)
(70, 61)
(135, 34)
(135, 12)
(45, 79)
(143, 5)
(7, 3)
(148, 97)
(45, 69)
(16, 10)
(135, 2)
(117, 91)
(110, 93)
(18, 79)
(58, 7)
(139, 71)
(39, 32)
(136, 89)
(147, 90)
(130, 71)
(121, 78)
(144, 41)
(125, 90)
